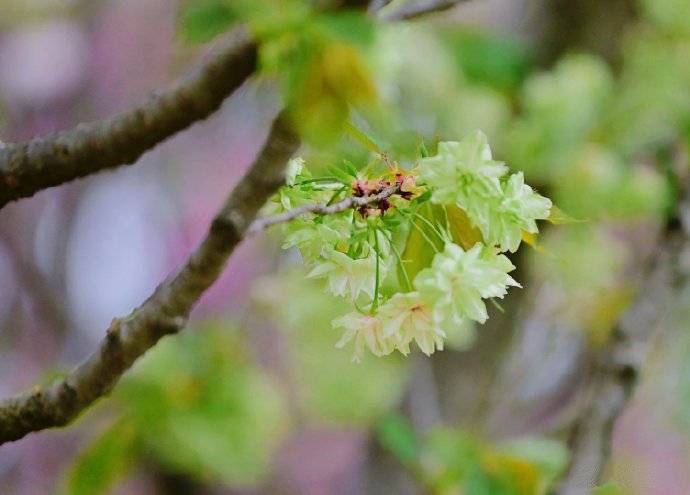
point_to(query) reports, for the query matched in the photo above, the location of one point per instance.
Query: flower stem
(320, 179)
(335, 195)
(426, 237)
(375, 304)
(430, 225)
(406, 278)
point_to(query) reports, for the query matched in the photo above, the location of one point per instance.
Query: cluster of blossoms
(355, 249)
(464, 174)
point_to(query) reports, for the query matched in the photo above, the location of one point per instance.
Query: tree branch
(377, 5)
(619, 366)
(418, 9)
(26, 168)
(165, 312)
(322, 209)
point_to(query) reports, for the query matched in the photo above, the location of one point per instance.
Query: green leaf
(548, 456)
(202, 409)
(423, 151)
(205, 19)
(607, 489)
(348, 26)
(397, 435)
(489, 60)
(421, 244)
(559, 217)
(333, 79)
(461, 229)
(103, 462)
(363, 138)
(418, 253)
(345, 173)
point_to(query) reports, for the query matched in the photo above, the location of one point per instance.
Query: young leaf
(369, 142)
(203, 20)
(422, 244)
(106, 459)
(461, 229)
(334, 79)
(607, 489)
(559, 217)
(397, 435)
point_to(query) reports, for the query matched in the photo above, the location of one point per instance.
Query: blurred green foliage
(197, 406)
(456, 461)
(330, 389)
(202, 20)
(449, 461)
(200, 407)
(607, 489)
(106, 459)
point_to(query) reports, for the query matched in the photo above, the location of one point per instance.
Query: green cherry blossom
(313, 236)
(458, 281)
(367, 332)
(446, 296)
(518, 209)
(463, 172)
(347, 276)
(406, 318)
(295, 168)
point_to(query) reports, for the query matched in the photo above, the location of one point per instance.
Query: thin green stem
(335, 195)
(375, 304)
(431, 226)
(320, 179)
(406, 278)
(445, 217)
(426, 237)
(497, 305)
(353, 228)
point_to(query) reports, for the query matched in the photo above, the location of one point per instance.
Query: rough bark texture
(165, 312)
(47, 161)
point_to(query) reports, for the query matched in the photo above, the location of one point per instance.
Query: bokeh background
(591, 99)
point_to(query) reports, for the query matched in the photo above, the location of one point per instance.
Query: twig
(28, 167)
(165, 312)
(418, 9)
(322, 209)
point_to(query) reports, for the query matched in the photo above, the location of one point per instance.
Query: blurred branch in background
(583, 26)
(43, 291)
(165, 312)
(414, 9)
(29, 167)
(619, 365)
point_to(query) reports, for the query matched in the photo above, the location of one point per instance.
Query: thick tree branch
(26, 168)
(29, 167)
(419, 8)
(619, 366)
(322, 209)
(165, 312)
